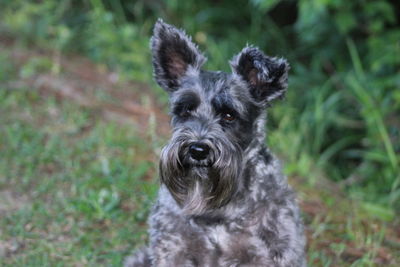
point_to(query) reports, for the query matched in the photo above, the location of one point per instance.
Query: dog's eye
(185, 113)
(228, 116)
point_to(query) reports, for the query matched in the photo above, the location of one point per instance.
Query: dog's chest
(234, 246)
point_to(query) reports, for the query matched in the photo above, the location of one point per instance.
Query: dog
(223, 200)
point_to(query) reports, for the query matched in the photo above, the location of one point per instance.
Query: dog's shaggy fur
(223, 200)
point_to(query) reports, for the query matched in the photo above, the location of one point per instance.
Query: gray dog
(223, 200)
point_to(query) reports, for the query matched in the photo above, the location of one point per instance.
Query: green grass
(74, 189)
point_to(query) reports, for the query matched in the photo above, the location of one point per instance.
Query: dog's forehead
(208, 84)
(214, 81)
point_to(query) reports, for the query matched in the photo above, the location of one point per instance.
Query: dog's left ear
(174, 54)
(265, 76)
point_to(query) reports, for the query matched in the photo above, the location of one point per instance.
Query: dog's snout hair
(200, 185)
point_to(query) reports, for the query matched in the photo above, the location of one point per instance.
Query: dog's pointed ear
(265, 76)
(174, 54)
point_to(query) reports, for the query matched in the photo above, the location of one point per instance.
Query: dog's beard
(200, 187)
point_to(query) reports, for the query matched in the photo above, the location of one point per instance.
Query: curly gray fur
(230, 206)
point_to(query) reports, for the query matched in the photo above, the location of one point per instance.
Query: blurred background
(82, 122)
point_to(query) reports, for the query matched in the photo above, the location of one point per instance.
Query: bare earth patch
(11, 201)
(88, 85)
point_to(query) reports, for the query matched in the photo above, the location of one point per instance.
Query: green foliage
(353, 44)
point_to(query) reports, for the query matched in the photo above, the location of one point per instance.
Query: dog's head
(217, 117)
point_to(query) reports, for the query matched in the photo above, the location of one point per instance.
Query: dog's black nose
(199, 151)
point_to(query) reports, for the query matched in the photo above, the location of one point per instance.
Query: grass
(76, 188)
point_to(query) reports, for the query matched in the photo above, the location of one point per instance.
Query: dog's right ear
(174, 54)
(265, 76)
